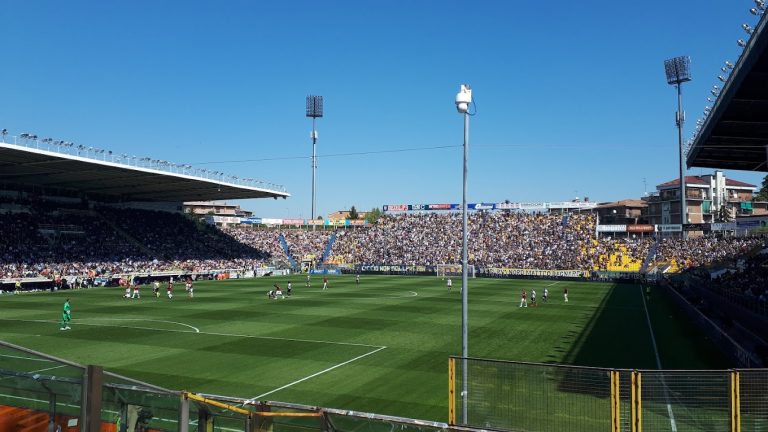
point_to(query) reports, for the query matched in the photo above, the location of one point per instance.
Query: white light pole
(463, 100)
(314, 110)
(678, 71)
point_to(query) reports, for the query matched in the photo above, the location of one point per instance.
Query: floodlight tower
(314, 110)
(463, 100)
(678, 71)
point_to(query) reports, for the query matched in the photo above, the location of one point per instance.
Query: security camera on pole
(463, 101)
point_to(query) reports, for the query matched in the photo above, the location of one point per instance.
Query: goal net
(453, 270)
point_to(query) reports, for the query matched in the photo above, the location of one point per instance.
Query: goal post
(453, 270)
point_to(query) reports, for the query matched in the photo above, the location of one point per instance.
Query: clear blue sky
(572, 98)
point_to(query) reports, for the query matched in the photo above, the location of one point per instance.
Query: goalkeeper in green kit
(66, 316)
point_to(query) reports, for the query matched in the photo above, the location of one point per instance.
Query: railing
(44, 393)
(543, 397)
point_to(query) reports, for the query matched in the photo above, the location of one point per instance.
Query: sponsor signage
(443, 206)
(396, 207)
(271, 221)
(293, 221)
(640, 228)
(669, 228)
(723, 226)
(611, 228)
(569, 204)
(531, 205)
(696, 227)
(480, 206)
(751, 223)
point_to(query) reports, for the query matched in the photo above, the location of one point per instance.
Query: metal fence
(508, 395)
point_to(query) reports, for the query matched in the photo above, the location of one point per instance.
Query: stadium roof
(699, 180)
(61, 172)
(623, 203)
(735, 134)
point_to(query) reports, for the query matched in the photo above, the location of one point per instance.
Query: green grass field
(380, 347)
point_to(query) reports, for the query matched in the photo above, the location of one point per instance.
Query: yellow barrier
(451, 391)
(735, 403)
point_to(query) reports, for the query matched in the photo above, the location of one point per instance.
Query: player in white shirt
(546, 295)
(449, 283)
(533, 297)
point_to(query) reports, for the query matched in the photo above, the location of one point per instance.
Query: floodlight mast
(678, 71)
(463, 100)
(314, 110)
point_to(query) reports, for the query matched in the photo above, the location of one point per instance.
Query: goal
(454, 270)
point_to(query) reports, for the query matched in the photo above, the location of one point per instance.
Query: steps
(327, 251)
(287, 250)
(649, 258)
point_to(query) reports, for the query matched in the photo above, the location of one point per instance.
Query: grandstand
(71, 221)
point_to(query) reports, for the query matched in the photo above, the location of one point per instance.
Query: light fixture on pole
(463, 101)
(314, 110)
(678, 71)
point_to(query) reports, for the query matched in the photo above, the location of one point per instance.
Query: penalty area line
(253, 399)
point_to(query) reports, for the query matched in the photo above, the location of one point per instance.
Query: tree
(724, 215)
(353, 215)
(372, 216)
(762, 194)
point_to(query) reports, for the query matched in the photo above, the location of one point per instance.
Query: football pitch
(382, 346)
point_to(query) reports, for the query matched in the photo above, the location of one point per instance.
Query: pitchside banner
(534, 272)
(397, 268)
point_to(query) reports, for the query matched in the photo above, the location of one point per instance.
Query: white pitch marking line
(553, 283)
(25, 358)
(203, 333)
(137, 319)
(47, 369)
(253, 399)
(672, 422)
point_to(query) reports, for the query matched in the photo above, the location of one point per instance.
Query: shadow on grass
(617, 334)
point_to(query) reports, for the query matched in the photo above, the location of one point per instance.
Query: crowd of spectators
(495, 239)
(36, 240)
(300, 242)
(701, 251)
(745, 283)
(39, 238)
(523, 240)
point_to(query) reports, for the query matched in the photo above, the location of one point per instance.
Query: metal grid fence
(536, 397)
(685, 400)
(543, 398)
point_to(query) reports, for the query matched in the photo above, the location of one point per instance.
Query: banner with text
(503, 271)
